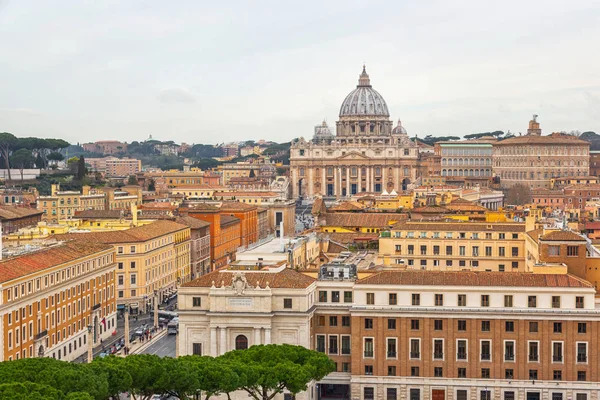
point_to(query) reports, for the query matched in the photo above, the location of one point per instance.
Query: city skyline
(213, 73)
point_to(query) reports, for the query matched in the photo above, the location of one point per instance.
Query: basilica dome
(364, 100)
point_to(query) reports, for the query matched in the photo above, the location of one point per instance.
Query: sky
(220, 71)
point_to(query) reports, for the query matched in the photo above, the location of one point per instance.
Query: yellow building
(455, 246)
(153, 257)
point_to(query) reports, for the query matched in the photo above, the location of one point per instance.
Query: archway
(241, 342)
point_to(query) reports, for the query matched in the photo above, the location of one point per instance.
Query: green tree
(271, 369)
(80, 168)
(132, 180)
(518, 195)
(22, 159)
(7, 142)
(182, 380)
(28, 391)
(148, 375)
(56, 157)
(113, 369)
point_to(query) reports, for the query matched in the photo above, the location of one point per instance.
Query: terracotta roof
(228, 220)
(193, 223)
(534, 234)
(137, 234)
(346, 238)
(99, 214)
(465, 205)
(161, 205)
(236, 206)
(246, 194)
(562, 236)
(11, 212)
(363, 220)
(203, 207)
(460, 226)
(347, 206)
(431, 210)
(592, 225)
(335, 247)
(319, 206)
(470, 278)
(554, 138)
(30, 263)
(284, 279)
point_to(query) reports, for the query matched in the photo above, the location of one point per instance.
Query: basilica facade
(367, 153)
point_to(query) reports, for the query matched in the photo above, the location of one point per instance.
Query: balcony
(96, 306)
(509, 357)
(486, 357)
(415, 355)
(438, 356)
(368, 354)
(40, 335)
(391, 354)
(557, 358)
(581, 358)
(461, 356)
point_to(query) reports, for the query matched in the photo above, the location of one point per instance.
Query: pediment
(353, 155)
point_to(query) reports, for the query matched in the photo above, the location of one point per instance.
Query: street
(164, 347)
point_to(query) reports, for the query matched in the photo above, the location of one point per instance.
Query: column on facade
(267, 335)
(256, 336)
(348, 180)
(324, 181)
(368, 181)
(359, 173)
(311, 182)
(383, 178)
(223, 344)
(213, 342)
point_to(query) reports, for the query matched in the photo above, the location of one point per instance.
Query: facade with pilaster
(367, 154)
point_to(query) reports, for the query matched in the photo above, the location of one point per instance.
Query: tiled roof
(346, 238)
(347, 206)
(319, 206)
(202, 207)
(592, 225)
(562, 236)
(431, 210)
(192, 222)
(550, 139)
(460, 226)
(246, 194)
(284, 279)
(160, 205)
(11, 212)
(335, 247)
(99, 214)
(465, 205)
(137, 234)
(470, 278)
(30, 263)
(228, 220)
(363, 220)
(236, 206)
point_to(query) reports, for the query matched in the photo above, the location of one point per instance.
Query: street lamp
(156, 308)
(90, 355)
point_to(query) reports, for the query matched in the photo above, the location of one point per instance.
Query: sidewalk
(137, 347)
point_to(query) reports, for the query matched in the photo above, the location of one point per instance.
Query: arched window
(241, 342)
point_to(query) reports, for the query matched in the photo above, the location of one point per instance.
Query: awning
(120, 306)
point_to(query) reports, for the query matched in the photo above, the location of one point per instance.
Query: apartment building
(199, 245)
(154, 258)
(115, 167)
(455, 246)
(408, 334)
(248, 216)
(51, 296)
(105, 147)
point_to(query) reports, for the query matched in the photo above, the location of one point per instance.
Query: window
(554, 250)
(488, 251)
(438, 349)
(572, 251)
(461, 325)
(368, 323)
(321, 320)
(132, 249)
(346, 344)
(241, 342)
(485, 300)
(515, 251)
(558, 327)
(509, 373)
(368, 393)
(502, 251)
(120, 265)
(581, 352)
(347, 297)
(508, 301)
(197, 349)
(368, 348)
(391, 348)
(438, 372)
(120, 279)
(345, 367)
(335, 297)
(439, 299)
(287, 303)
(581, 377)
(120, 250)
(416, 299)
(462, 300)
(414, 324)
(557, 376)
(322, 296)
(485, 326)
(533, 327)
(485, 373)
(415, 394)
(509, 351)
(333, 321)
(533, 374)
(532, 301)
(132, 265)
(581, 396)
(393, 299)
(461, 349)
(415, 349)
(391, 323)
(133, 279)
(438, 325)
(346, 320)
(486, 347)
(557, 352)
(555, 301)
(475, 251)
(579, 302)
(462, 373)
(581, 327)
(534, 355)
(196, 301)
(370, 298)
(333, 344)
(509, 326)
(414, 371)
(391, 393)
(448, 250)
(321, 343)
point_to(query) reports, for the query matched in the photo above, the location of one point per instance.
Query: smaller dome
(399, 129)
(322, 133)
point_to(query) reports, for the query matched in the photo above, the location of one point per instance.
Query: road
(164, 347)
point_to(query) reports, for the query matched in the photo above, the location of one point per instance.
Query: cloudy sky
(216, 71)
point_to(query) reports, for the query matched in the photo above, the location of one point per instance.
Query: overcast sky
(215, 71)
